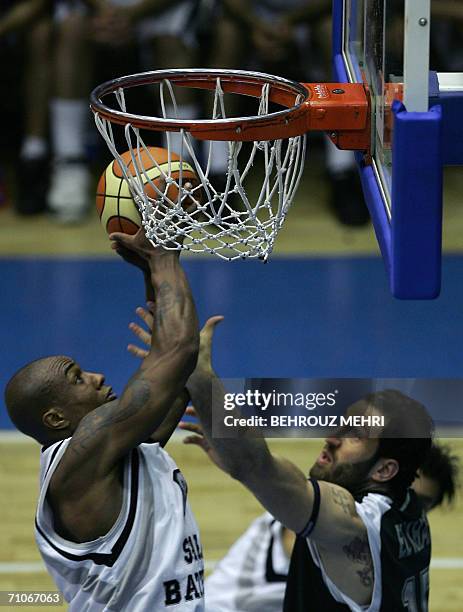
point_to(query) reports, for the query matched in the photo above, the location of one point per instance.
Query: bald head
(49, 397)
(32, 391)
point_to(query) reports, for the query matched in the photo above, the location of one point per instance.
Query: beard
(351, 476)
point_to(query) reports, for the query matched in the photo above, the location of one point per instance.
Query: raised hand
(137, 244)
(131, 257)
(204, 364)
(198, 437)
(142, 334)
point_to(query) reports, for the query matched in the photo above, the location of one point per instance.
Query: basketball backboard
(402, 120)
(385, 45)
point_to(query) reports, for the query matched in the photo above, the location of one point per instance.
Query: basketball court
(324, 305)
(220, 522)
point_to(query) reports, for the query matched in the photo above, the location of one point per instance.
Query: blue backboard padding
(339, 68)
(412, 261)
(338, 64)
(416, 203)
(374, 200)
(337, 23)
(293, 317)
(372, 193)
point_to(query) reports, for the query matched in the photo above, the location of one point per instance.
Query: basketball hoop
(227, 220)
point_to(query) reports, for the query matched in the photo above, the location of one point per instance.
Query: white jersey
(150, 560)
(371, 510)
(252, 575)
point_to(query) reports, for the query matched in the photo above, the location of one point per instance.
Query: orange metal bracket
(342, 110)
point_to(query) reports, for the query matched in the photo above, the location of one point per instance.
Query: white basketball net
(237, 219)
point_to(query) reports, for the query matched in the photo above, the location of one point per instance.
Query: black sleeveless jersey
(400, 545)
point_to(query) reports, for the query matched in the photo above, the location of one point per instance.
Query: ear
(385, 470)
(53, 418)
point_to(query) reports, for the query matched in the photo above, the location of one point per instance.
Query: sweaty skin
(340, 534)
(86, 489)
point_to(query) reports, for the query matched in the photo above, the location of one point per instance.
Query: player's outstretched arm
(276, 482)
(164, 432)
(172, 420)
(197, 438)
(107, 434)
(247, 458)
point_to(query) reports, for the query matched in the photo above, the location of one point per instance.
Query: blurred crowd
(55, 52)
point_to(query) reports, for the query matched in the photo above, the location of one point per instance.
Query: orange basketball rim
(340, 109)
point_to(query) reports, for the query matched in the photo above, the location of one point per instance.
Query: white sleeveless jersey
(149, 561)
(252, 575)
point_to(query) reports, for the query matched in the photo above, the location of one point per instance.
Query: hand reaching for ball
(136, 249)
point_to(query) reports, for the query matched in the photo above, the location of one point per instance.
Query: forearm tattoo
(358, 551)
(166, 298)
(140, 389)
(135, 398)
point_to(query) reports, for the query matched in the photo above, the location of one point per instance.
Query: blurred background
(320, 308)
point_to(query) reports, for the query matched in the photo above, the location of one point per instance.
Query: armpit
(358, 552)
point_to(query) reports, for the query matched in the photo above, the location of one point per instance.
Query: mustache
(351, 476)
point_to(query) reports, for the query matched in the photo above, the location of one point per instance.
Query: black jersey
(400, 545)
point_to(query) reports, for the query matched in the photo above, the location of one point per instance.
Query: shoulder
(50, 456)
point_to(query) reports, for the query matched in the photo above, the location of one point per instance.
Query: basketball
(115, 205)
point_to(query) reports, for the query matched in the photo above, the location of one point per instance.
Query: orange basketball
(116, 208)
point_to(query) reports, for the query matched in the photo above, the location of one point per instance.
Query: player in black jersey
(363, 539)
(234, 585)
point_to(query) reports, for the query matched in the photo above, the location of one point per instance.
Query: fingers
(206, 334)
(194, 440)
(209, 326)
(190, 411)
(193, 427)
(132, 242)
(188, 203)
(119, 237)
(137, 351)
(146, 315)
(150, 306)
(143, 335)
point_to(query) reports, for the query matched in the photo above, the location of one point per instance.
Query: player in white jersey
(151, 558)
(252, 575)
(113, 523)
